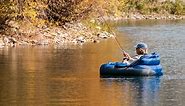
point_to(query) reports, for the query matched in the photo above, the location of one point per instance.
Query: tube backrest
(149, 59)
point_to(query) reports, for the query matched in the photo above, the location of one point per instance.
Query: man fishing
(141, 49)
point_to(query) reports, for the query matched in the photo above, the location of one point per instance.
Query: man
(141, 49)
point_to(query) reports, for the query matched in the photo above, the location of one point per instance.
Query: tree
(63, 11)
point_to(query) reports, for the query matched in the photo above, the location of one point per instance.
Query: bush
(63, 11)
(152, 6)
(177, 7)
(7, 12)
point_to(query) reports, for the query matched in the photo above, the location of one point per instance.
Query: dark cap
(141, 45)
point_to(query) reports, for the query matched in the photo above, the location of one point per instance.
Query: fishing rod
(115, 38)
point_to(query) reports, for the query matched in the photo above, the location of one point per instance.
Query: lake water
(69, 75)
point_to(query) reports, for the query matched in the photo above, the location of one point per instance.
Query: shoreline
(70, 34)
(138, 16)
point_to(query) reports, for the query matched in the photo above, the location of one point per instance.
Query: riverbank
(69, 34)
(138, 16)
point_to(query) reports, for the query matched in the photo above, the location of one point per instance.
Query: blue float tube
(147, 65)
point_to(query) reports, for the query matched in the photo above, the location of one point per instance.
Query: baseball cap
(141, 45)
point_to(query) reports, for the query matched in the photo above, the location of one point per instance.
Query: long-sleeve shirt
(133, 59)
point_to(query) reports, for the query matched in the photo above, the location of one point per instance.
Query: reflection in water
(21, 77)
(132, 91)
(70, 75)
(49, 76)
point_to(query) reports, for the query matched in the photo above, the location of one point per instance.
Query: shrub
(152, 6)
(177, 7)
(7, 11)
(63, 11)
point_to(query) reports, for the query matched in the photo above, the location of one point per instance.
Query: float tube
(147, 65)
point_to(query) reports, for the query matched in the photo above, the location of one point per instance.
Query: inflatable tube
(147, 65)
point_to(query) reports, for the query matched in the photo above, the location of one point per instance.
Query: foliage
(62, 11)
(7, 11)
(177, 7)
(153, 6)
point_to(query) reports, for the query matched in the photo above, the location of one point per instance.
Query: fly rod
(115, 38)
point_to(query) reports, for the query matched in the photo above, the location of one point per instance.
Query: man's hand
(126, 55)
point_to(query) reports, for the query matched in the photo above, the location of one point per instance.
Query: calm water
(70, 75)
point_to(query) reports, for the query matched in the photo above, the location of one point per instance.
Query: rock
(12, 40)
(103, 35)
(23, 43)
(2, 44)
(12, 44)
(33, 41)
(6, 40)
(112, 35)
(80, 39)
(96, 41)
(43, 42)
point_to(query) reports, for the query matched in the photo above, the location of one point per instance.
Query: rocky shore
(69, 34)
(138, 16)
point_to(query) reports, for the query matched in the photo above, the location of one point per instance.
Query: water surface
(69, 76)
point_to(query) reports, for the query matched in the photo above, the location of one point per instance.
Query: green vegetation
(177, 7)
(153, 6)
(64, 11)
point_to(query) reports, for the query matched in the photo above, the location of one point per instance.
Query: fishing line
(115, 38)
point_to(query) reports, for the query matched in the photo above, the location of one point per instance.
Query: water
(163, 37)
(69, 75)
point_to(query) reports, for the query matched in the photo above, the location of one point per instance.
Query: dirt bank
(71, 34)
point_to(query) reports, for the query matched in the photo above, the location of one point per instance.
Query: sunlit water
(69, 76)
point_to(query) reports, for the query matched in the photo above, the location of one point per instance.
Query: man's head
(141, 48)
